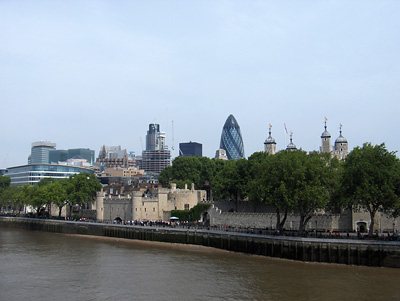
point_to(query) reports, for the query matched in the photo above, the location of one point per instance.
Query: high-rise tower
(270, 144)
(231, 139)
(156, 156)
(40, 152)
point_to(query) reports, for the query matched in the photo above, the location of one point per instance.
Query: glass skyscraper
(231, 139)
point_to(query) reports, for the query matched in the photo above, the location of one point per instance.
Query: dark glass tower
(231, 139)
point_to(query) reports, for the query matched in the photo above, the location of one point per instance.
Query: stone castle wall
(142, 206)
(346, 221)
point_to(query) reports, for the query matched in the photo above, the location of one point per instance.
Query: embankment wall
(351, 252)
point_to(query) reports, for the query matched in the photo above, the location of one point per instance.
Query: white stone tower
(326, 140)
(341, 146)
(270, 144)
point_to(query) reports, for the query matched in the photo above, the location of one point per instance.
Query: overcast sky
(88, 73)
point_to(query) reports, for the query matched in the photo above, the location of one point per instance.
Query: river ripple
(47, 266)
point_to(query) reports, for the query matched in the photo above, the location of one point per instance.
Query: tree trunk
(280, 223)
(372, 223)
(302, 225)
(278, 220)
(59, 212)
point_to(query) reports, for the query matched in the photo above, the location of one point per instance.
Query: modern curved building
(231, 139)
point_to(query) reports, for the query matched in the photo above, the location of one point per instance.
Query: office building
(231, 139)
(156, 156)
(31, 174)
(190, 149)
(40, 152)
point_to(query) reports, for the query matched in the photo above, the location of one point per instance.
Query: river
(48, 266)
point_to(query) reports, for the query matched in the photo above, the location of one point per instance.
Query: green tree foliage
(11, 197)
(82, 188)
(371, 180)
(4, 182)
(56, 192)
(274, 183)
(292, 181)
(313, 187)
(193, 214)
(188, 170)
(79, 189)
(231, 182)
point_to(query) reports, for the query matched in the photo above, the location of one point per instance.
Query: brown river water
(47, 266)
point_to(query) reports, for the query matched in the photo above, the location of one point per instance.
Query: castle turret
(291, 145)
(270, 144)
(326, 140)
(341, 146)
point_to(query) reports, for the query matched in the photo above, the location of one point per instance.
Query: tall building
(40, 152)
(154, 138)
(190, 149)
(156, 156)
(270, 144)
(231, 139)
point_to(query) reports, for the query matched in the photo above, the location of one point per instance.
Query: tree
(313, 186)
(273, 181)
(371, 180)
(36, 197)
(291, 181)
(11, 196)
(56, 192)
(82, 189)
(4, 182)
(231, 181)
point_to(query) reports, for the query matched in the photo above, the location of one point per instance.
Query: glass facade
(32, 174)
(231, 139)
(56, 156)
(190, 149)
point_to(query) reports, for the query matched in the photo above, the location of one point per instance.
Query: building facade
(156, 157)
(115, 156)
(190, 149)
(40, 152)
(151, 204)
(231, 139)
(31, 174)
(62, 155)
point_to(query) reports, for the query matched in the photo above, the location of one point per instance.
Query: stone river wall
(351, 252)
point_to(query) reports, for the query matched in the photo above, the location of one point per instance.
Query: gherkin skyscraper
(231, 139)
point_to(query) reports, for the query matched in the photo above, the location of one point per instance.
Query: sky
(85, 73)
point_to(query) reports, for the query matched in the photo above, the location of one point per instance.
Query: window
(186, 206)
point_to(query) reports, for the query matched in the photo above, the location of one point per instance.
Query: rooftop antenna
(173, 139)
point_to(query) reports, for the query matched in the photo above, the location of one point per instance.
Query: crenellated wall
(150, 205)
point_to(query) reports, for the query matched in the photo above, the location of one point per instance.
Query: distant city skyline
(93, 73)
